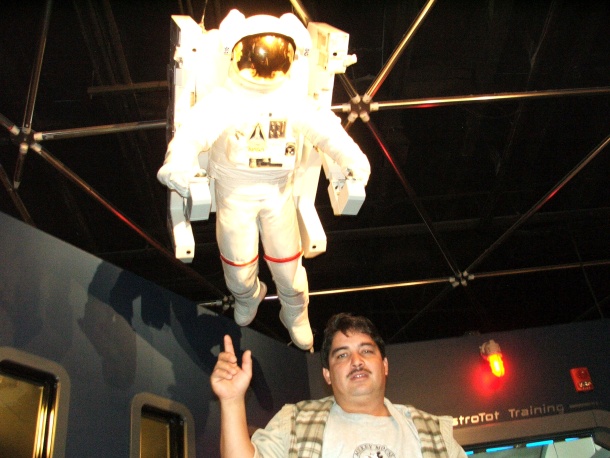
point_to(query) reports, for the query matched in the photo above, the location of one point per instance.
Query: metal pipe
(133, 87)
(98, 130)
(19, 164)
(587, 279)
(597, 307)
(548, 196)
(35, 77)
(385, 71)
(405, 284)
(446, 290)
(23, 211)
(58, 165)
(530, 270)
(352, 94)
(348, 86)
(9, 125)
(115, 40)
(301, 11)
(414, 199)
(356, 289)
(32, 93)
(457, 99)
(451, 280)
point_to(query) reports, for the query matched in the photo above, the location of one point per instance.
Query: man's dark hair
(346, 323)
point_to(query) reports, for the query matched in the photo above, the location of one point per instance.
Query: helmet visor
(264, 58)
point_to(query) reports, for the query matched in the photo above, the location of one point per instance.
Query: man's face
(356, 367)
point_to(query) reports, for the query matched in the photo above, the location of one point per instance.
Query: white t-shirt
(349, 435)
(369, 438)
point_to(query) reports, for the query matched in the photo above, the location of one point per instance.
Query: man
(357, 421)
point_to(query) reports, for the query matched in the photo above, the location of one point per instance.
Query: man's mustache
(358, 369)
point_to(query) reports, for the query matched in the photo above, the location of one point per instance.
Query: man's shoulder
(400, 407)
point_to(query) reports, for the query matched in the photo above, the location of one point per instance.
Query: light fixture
(491, 352)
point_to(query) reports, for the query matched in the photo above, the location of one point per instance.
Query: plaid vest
(309, 419)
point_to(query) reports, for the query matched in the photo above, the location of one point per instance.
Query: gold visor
(264, 58)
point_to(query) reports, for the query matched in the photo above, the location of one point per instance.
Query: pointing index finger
(229, 344)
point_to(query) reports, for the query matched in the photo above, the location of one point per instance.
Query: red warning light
(492, 353)
(496, 364)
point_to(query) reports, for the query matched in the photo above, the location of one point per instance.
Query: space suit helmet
(264, 58)
(264, 50)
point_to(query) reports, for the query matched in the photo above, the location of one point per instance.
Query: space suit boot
(296, 321)
(245, 308)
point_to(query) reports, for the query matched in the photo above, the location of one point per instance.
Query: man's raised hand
(228, 380)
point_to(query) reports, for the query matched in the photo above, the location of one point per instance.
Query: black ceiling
(481, 215)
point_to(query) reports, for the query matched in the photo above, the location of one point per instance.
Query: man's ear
(326, 375)
(386, 366)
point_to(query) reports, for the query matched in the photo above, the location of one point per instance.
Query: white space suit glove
(178, 179)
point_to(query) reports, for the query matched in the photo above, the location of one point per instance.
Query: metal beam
(497, 97)
(58, 165)
(32, 93)
(538, 205)
(391, 62)
(99, 130)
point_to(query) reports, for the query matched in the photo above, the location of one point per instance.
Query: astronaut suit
(252, 127)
